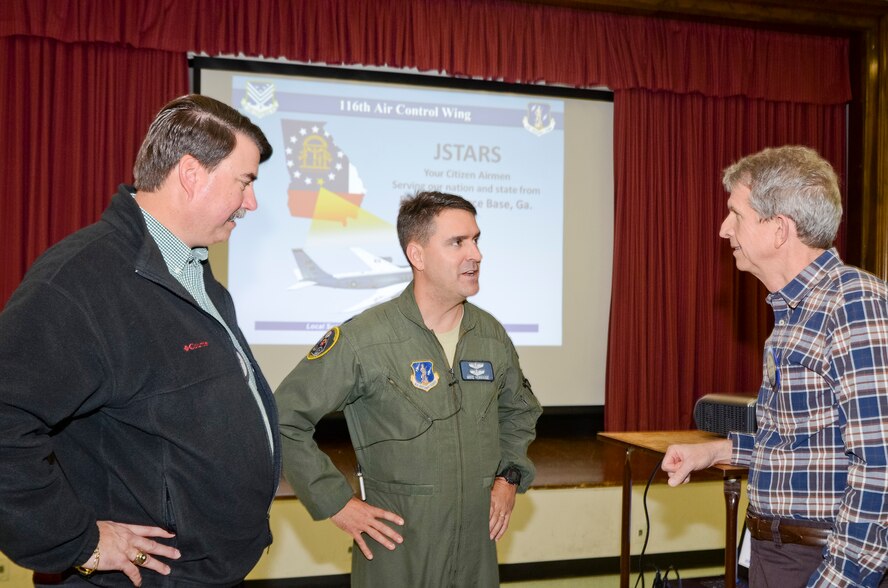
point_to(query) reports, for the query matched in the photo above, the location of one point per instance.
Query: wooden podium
(657, 442)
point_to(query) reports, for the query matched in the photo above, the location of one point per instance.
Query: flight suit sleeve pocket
(527, 396)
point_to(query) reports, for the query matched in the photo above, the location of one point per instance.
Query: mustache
(238, 214)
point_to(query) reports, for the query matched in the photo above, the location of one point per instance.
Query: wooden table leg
(625, 527)
(732, 498)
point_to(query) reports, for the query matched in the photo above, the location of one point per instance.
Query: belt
(810, 533)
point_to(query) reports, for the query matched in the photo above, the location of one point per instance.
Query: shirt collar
(798, 288)
(176, 254)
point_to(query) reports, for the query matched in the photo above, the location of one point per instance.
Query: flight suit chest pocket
(387, 413)
(479, 387)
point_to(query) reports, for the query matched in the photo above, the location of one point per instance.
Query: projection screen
(536, 161)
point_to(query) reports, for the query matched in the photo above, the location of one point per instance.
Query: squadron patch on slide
(424, 376)
(476, 370)
(539, 119)
(325, 344)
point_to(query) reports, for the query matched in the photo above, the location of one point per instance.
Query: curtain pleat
(495, 39)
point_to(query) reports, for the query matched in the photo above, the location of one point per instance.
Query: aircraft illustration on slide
(387, 278)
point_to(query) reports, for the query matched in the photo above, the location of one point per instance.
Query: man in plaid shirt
(818, 464)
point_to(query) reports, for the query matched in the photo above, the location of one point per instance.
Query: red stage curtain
(496, 39)
(73, 116)
(684, 322)
(690, 98)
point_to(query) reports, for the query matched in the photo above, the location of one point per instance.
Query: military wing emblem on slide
(259, 99)
(381, 275)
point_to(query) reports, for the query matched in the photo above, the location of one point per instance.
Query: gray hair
(795, 182)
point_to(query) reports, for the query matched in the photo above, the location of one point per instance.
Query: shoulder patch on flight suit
(325, 344)
(423, 376)
(476, 370)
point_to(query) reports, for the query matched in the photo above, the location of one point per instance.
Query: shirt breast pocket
(805, 402)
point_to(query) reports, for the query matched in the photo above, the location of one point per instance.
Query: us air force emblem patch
(325, 344)
(476, 370)
(424, 376)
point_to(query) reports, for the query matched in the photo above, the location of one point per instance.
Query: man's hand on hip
(358, 517)
(128, 547)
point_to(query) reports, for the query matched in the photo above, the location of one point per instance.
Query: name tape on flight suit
(476, 370)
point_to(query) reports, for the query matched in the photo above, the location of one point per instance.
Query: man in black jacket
(138, 437)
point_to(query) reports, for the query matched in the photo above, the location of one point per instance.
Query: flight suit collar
(409, 309)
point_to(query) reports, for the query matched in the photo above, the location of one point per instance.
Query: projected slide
(322, 247)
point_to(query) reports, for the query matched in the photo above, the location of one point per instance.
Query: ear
(415, 255)
(190, 174)
(785, 229)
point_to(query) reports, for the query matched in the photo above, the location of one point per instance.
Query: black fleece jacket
(120, 399)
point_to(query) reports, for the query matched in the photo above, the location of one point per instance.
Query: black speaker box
(724, 413)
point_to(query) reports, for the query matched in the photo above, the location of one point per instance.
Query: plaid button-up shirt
(821, 449)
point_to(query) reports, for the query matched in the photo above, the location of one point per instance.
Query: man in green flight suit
(438, 411)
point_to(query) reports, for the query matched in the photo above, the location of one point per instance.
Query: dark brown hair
(192, 125)
(416, 217)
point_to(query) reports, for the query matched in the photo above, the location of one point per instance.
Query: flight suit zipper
(453, 384)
